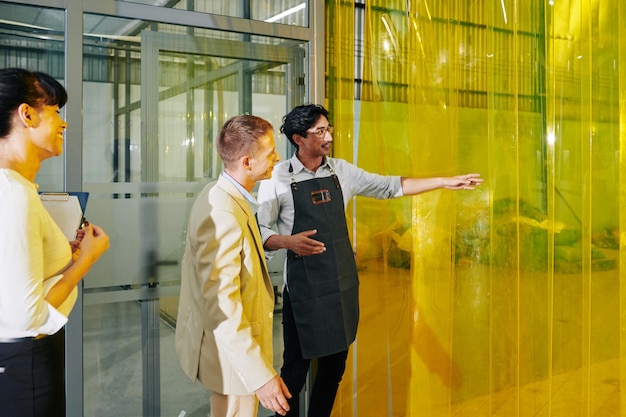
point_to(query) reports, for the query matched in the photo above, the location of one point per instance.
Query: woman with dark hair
(39, 268)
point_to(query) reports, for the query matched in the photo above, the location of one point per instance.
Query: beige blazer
(224, 325)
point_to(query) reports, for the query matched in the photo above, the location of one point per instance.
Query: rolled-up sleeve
(267, 214)
(356, 181)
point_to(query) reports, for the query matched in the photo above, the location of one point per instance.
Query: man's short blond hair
(240, 137)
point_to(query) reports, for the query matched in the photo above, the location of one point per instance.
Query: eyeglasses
(321, 132)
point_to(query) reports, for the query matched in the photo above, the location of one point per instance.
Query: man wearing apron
(305, 200)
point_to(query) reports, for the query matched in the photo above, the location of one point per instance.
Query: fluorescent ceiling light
(286, 13)
(136, 39)
(391, 31)
(93, 35)
(26, 25)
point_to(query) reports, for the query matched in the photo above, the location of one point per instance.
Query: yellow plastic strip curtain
(504, 301)
(340, 24)
(621, 65)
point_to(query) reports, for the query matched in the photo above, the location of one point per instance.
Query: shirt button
(271, 315)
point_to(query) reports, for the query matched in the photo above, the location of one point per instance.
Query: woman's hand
(75, 244)
(92, 244)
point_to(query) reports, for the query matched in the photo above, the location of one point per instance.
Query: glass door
(163, 154)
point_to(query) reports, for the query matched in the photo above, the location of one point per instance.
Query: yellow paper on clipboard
(65, 210)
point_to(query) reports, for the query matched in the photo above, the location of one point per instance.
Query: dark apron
(323, 288)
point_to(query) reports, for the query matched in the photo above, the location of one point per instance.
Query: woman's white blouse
(33, 254)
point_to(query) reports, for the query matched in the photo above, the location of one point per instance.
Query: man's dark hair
(301, 119)
(19, 86)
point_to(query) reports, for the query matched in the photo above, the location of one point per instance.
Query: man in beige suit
(224, 326)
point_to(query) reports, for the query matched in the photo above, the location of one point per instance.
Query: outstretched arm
(412, 186)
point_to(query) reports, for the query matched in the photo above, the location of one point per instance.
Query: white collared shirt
(252, 202)
(275, 199)
(33, 251)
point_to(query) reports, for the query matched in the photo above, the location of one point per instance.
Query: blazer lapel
(253, 225)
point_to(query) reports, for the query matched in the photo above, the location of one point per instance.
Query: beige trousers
(233, 405)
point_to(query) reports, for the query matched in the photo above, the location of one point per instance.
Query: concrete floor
(113, 366)
(113, 358)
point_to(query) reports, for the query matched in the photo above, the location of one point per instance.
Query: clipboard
(66, 209)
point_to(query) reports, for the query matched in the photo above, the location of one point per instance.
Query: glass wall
(149, 87)
(168, 90)
(17, 43)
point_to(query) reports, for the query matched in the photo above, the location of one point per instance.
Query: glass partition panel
(153, 144)
(155, 97)
(31, 38)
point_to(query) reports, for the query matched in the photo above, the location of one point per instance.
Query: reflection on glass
(287, 12)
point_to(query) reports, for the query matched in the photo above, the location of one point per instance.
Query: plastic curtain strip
(503, 301)
(340, 25)
(621, 46)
